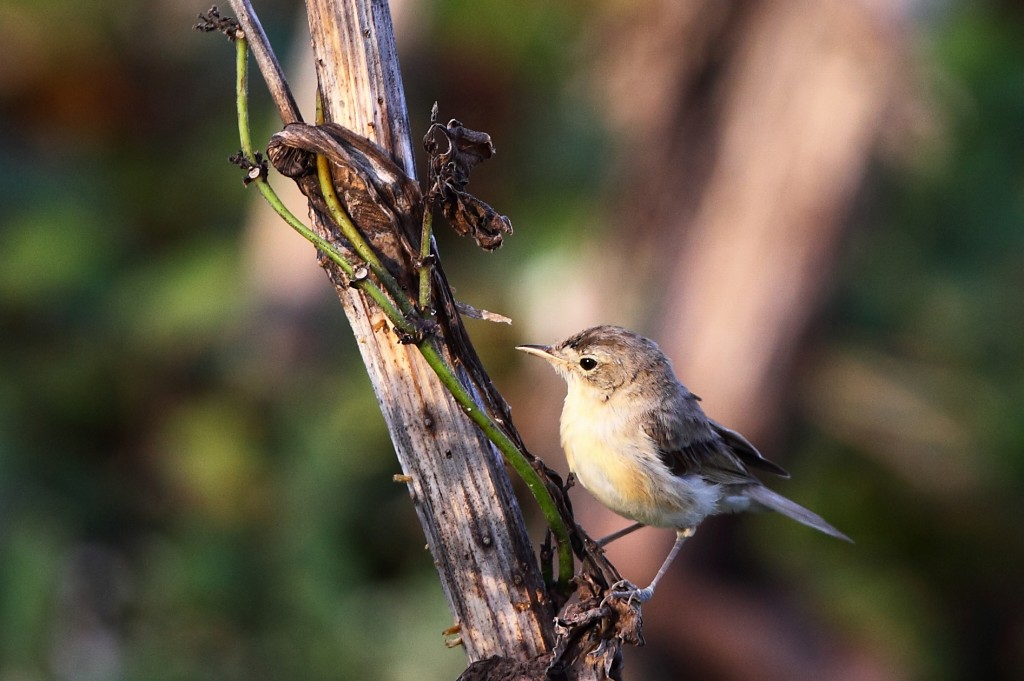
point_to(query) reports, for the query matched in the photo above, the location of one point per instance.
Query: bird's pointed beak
(542, 351)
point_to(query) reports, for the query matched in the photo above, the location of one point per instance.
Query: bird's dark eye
(588, 363)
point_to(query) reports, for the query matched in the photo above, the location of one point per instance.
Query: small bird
(637, 439)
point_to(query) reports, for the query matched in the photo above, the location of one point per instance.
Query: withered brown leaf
(449, 175)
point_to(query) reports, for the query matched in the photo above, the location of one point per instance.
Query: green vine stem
(268, 193)
(351, 232)
(424, 263)
(426, 344)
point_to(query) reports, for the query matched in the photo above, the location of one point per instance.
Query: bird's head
(605, 358)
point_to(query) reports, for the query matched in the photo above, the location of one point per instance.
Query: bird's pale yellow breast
(607, 453)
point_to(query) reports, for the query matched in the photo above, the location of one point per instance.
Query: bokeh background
(816, 207)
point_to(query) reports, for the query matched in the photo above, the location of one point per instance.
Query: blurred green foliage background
(195, 482)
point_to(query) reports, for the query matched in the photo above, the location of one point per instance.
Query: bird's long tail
(780, 504)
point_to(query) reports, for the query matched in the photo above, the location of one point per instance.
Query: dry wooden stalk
(459, 486)
(456, 478)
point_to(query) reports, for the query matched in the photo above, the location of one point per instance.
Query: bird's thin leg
(644, 595)
(604, 541)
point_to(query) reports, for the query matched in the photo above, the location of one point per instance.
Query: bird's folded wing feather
(746, 451)
(689, 445)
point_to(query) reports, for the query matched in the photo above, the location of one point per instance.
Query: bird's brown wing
(746, 451)
(708, 459)
(688, 444)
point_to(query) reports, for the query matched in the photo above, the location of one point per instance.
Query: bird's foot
(626, 589)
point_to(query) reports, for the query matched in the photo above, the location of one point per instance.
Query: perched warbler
(638, 440)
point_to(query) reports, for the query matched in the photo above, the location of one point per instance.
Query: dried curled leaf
(213, 21)
(293, 152)
(449, 175)
(385, 204)
(469, 215)
(589, 632)
(466, 148)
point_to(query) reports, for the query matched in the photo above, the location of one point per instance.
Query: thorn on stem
(425, 262)
(451, 636)
(359, 275)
